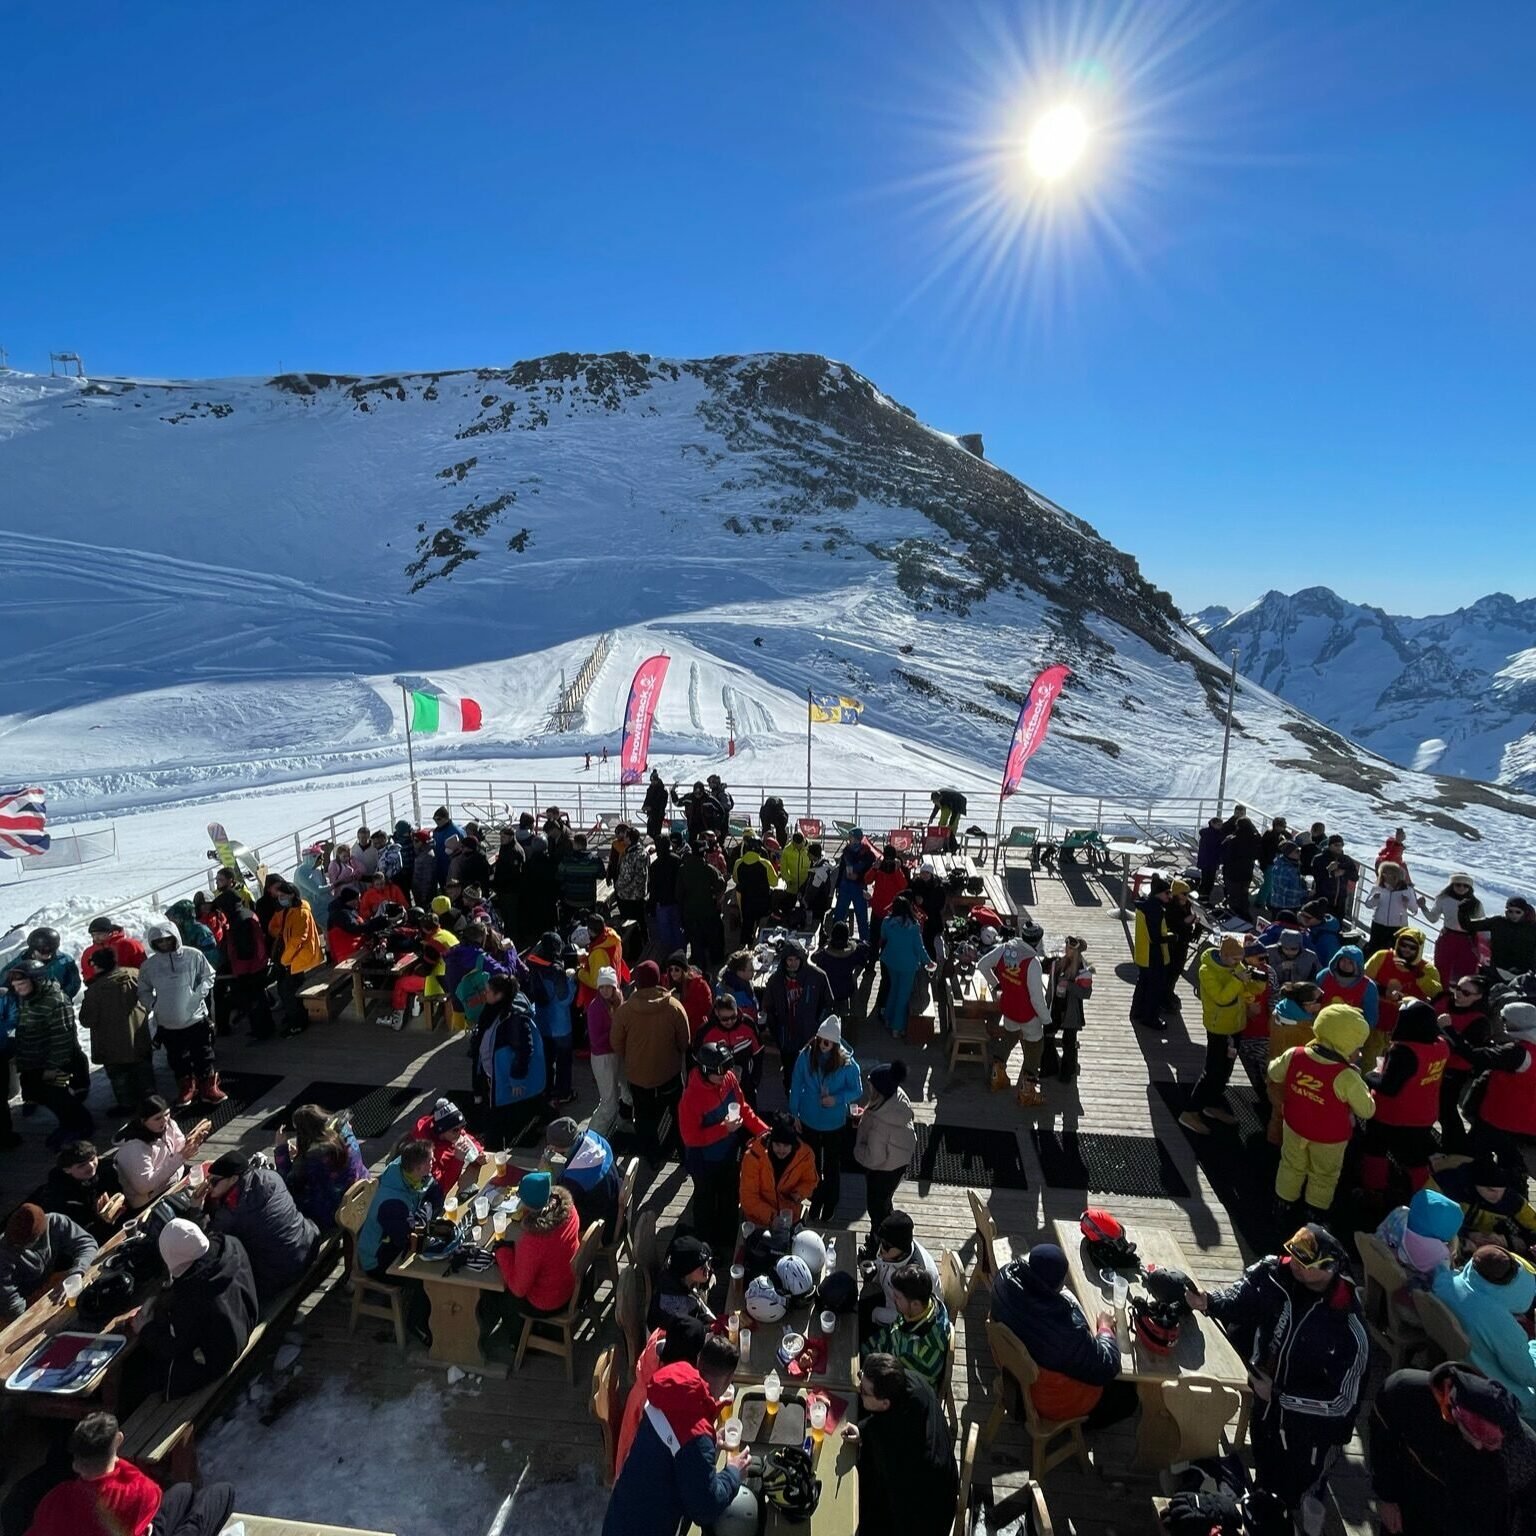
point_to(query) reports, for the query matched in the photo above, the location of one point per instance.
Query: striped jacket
(921, 1345)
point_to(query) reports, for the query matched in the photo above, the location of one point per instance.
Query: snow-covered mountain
(1455, 692)
(214, 582)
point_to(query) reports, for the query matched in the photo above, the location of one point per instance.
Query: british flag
(23, 818)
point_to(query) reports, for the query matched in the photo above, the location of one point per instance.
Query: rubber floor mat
(244, 1090)
(1113, 1164)
(374, 1109)
(965, 1157)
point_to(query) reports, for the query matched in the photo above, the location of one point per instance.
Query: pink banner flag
(644, 691)
(1034, 721)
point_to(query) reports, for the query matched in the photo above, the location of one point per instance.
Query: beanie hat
(182, 1244)
(561, 1134)
(1231, 948)
(446, 1116)
(1179, 887)
(228, 1165)
(25, 1225)
(441, 904)
(1292, 938)
(1048, 1264)
(784, 1130)
(679, 958)
(830, 1029)
(1432, 1214)
(685, 1335)
(607, 977)
(647, 974)
(896, 1231)
(685, 1255)
(888, 1079)
(1519, 1019)
(534, 1189)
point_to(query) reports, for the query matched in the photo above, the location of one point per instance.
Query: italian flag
(428, 711)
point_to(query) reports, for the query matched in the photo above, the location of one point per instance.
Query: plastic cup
(195, 1175)
(482, 1207)
(731, 1434)
(818, 1414)
(499, 1223)
(503, 1158)
(73, 1285)
(747, 1229)
(829, 1323)
(477, 1235)
(1122, 1289)
(738, 1273)
(451, 1206)
(733, 1113)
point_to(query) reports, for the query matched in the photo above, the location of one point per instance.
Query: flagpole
(807, 751)
(410, 755)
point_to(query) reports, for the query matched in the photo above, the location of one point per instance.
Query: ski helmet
(27, 967)
(715, 1058)
(1108, 1246)
(789, 1482)
(45, 939)
(763, 1302)
(793, 1277)
(740, 1517)
(839, 1292)
(808, 1247)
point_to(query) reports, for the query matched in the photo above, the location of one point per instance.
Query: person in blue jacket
(43, 945)
(669, 1477)
(591, 1171)
(855, 868)
(825, 1083)
(1322, 930)
(508, 1053)
(552, 989)
(443, 828)
(903, 954)
(406, 1200)
(1489, 1295)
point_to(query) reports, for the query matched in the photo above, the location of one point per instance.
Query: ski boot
(186, 1092)
(208, 1090)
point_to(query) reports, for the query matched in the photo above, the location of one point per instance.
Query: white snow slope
(214, 583)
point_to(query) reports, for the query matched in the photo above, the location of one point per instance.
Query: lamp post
(1226, 736)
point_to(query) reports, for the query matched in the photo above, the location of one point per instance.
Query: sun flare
(1057, 141)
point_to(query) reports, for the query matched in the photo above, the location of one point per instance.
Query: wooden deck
(534, 1413)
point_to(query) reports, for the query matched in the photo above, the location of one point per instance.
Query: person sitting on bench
(251, 1202)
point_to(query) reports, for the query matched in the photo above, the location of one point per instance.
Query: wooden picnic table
(1203, 1352)
(361, 991)
(837, 1466)
(763, 1355)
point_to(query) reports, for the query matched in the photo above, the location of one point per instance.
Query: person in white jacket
(174, 986)
(153, 1152)
(1013, 968)
(884, 1143)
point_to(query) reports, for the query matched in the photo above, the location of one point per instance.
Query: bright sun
(1056, 142)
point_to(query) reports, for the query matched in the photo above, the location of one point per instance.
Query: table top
(1203, 1349)
(837, 1466)
(764, 1355)
(1132, 850)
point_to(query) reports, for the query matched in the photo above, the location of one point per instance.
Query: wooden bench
(160, 1435)
(325, 994)
(265, 1525)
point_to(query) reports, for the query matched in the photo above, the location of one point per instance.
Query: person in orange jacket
(296, 950)
(711, 1118)
(605, 948)
(778, 1173)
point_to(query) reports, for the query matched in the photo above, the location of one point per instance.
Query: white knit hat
(182, 1244)
(830, 1030)
(1519, 1019)
(607, 977)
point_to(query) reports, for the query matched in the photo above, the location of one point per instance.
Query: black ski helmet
(28, 967)
(45, 939)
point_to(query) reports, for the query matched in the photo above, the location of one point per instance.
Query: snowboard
(232, 855)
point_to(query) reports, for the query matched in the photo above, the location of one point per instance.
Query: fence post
(392, 817)
(446, 799)
(332, 821)
(581, 821)
(1101, 816)
(1050, 817)
(855, 807)
(298, 858)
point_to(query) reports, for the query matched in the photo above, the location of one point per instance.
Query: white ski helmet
(764, 1304)
(740, 1517)
(809, 1247)
(793, 1276)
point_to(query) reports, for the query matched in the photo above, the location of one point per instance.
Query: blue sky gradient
(1279, 332)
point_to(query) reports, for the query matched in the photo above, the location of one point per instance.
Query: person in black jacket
(1448, 1454)
(1296, 1319)
(665, 909)
(85, 1189)
(252, 1203)
(194, 1331)
(654, 806)
(774, 819)
(36, 1246)
(506, 881)
(795, 1001)
(1240, 846)
(907, 1477)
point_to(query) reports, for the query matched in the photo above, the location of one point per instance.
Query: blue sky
(1280, 331)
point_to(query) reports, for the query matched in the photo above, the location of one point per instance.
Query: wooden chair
(1444, 1334)
(370, 1297)
(954, 1291)
(1392, 1328)
(607, 1405)
(992, 1251)
(564, 1323)
(1039, 1515)
(967, 1040)
(967, 1472)
(1017, 1372)
(1202, 1409)
(642, 1241)
(629, 1311)
(608, 1254)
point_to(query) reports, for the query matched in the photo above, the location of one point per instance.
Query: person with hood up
(884, 1143)
(250, 1201)
(825, 1085)
(455, 1153)
(295, 951)
(195, 935)
(796, 999)
(1149, 950)
(795, 863)
(903, 953)
(1448, 1454)
(778, 1174)
(45, 1047)
(583, 1162)
(1324, 1093)
(855, 868)
(112, 1015)
(682, 1287)
(1344, 981)
(650, 1037)
(669, 1476)
(1422, 1236)
(195, 1329)
(1492, 1201)
(907, 1477)
(34, 1248)
(1466, 1026)
(1297, 1321)
(537, 1267)
(1289, 959)
(1407, 1095)
(1227, 986)
(1511, 937)
(842, 962)
(1013, 970)
(1401, 973)
(1502, 1103)
(174, 985)
(1079, 1360)
(1290, 1025)
(755, 879)
(551, 988)
(711, 1120)
(104, 930)
(654, 806)
(1489, 1295)
(1459, 913)
(153, 1151)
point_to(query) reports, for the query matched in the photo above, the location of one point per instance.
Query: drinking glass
(818, 1416)
(477, 1235)
(451, 1205)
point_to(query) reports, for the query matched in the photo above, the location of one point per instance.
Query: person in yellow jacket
(1226, 986)
(795, 862)
(296, 949)
(442, 939)
(1324, 1094)
(1400, 973)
